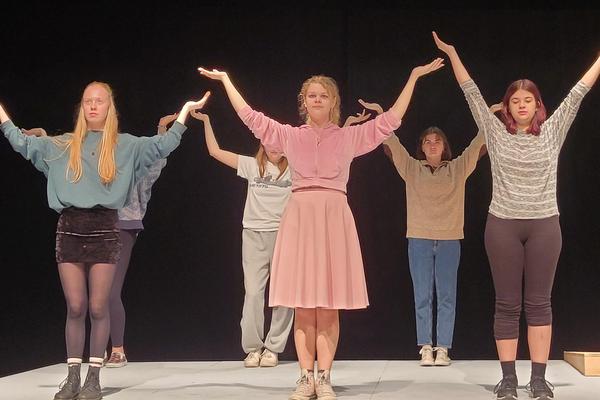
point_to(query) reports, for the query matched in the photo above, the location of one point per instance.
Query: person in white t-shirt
(269, 186)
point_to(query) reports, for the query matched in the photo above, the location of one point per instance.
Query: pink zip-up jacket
(320, 156)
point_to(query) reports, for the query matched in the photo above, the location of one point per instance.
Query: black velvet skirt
(88, 235)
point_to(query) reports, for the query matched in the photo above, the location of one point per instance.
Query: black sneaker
(540, 388)
(506, 389)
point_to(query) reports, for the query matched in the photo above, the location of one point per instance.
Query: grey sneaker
(540, 388)
(252, 360)
(506, 389)
(426, 353)
(116, 360)
(441, 357)
(268, 359)
(323, 386)
(305, 387)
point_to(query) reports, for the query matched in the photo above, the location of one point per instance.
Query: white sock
(96, 362)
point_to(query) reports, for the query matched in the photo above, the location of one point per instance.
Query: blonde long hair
(107, 168)
(332, 89)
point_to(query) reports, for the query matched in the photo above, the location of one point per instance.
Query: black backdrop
(184, 290)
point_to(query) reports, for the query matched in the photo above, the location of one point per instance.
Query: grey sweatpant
(257, 254)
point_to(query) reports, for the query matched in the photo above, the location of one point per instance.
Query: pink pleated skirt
(317, 262)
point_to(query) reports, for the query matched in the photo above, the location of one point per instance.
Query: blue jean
(434, 263)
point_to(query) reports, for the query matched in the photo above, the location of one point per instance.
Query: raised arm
(401, 104)
(460, 72)
(367, 136)
(191, 105)
(236, 99)
(3, 115)
(38, 132)
(226, 157)
(357, 119)
(31, 147)
(590, 77)
(165, 121)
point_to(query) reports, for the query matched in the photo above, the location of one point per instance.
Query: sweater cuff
(177, 127)
(6, 125)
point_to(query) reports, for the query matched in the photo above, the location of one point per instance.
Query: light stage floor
(353, 380)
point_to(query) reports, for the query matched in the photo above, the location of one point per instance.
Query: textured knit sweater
(435, 201)
(523, 165)
(134, 156)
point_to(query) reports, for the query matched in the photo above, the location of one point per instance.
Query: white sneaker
(426, 353)
(441, 357)
(268, 358)
(305, 387)
(252, 360)
(323, 386)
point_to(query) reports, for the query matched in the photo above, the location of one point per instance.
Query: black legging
(75, 278)
(518, 248)
(117, 311)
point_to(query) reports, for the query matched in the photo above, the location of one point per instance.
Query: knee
(76, 309)
(508, 309)
(327, 319)
(98, 310)
(538, 314)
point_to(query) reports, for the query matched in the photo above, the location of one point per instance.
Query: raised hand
(371, 106)
(357, 119)
(427, 68)
(494, 108)
(196, 105)
(199, 116)
(164, 121)
(191, 105)
(34, 132)
(167, 119)
(214, 74)
(443, 46)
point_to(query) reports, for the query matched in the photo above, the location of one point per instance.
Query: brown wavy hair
(446, 154)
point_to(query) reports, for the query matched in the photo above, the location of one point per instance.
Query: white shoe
(305, 387)
(441, 357)
(426, 353)
(268, 358)
(252, 360)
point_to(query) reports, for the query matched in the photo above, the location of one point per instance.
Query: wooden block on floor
(586, 362)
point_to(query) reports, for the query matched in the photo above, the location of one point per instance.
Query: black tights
(75, 279)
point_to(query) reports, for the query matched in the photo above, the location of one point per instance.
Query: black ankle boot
(91, 389)
(70, 387)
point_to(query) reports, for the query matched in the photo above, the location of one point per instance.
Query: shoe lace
(441, 353)
(426, 350)
(303, 380)
(503, 384)
(323, 379)
(539, 384)
(63, 383)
